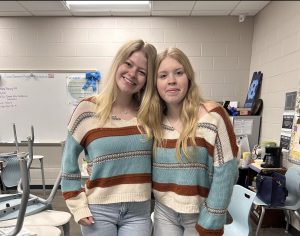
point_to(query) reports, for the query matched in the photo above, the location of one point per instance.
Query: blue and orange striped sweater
(204, 184)
(120, 157)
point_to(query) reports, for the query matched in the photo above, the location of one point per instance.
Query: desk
(246, 175)
(257, 168)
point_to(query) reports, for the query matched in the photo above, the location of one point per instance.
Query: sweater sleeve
(212, 214)
(73, 192)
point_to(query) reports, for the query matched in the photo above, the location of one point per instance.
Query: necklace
(176, 125)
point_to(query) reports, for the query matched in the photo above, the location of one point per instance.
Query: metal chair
(17, 227)
(239, 209)
(10, 170)
(24, 198)
(40, 158)
(38, 210)
(292, 202)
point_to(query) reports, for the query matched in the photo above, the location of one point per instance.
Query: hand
(89, 170)
(86, 221)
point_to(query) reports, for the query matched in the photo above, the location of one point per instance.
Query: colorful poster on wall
(82, 85)
(287, 120)
(294, 155)
(254, 89)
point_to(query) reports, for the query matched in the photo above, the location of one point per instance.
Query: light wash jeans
(168, 222)
(120, 219)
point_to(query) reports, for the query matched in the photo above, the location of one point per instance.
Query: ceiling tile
(43, 5)
(172, 5)
(11, 6)
(159, 8)
(130, 13)
(15, 13)
(251, 5)
(244, 12)
(170, 13)
(51, 13)
(103, 13)
(214, 5)
(210, 13)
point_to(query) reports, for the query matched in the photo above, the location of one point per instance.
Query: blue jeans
(168, 222)
(120, 219)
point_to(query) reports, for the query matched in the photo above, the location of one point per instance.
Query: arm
(72, 190)
(213, 212)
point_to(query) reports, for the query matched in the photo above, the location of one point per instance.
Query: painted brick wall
(276, 52)
(219, 48)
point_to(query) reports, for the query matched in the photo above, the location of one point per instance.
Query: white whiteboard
(39, 99)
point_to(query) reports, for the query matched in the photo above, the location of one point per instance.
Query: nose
(171, 79)
(132, 71)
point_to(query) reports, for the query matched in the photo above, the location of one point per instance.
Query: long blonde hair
(190, 108)
(105, 99)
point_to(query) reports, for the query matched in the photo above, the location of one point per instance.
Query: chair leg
(43, 177)
(261, 217)
(288, 220)
(297, 214)
(66, 228)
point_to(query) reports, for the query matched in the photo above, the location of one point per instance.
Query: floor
(59, 204)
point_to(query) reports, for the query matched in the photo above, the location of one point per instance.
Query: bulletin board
(42, 99)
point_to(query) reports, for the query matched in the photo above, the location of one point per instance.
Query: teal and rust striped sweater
(203, 185)
(120, 157)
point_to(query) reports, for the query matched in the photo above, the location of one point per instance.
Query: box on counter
(244, 111)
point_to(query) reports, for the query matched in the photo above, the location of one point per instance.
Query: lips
(129, 81)
(173, 90)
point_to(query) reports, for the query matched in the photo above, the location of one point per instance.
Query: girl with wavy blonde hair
(110, 129)
(194, 164)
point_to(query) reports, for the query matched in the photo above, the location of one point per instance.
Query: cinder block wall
(219, 48)
(276, 52)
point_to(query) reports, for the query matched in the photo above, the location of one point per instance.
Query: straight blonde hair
(190, 108)
(105, 99)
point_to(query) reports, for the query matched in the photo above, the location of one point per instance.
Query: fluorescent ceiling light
(108, 6)
(107, 2)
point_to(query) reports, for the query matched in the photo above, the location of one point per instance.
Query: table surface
(256, 167)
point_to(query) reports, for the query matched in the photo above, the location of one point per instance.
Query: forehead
(169, 63)
(139, 59)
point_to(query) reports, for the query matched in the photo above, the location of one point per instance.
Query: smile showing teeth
(129, 81)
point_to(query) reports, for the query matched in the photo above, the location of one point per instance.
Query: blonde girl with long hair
(110, 129)
(194, 165)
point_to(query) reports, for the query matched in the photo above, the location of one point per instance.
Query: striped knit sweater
(203, 185)
(120, 157)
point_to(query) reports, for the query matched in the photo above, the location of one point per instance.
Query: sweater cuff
(209, 232)
(82, 213)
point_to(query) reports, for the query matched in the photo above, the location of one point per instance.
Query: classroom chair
(10, 170)
(40, 158)
(239, 209)
(38, 210)
(292, 202)
(9, 208)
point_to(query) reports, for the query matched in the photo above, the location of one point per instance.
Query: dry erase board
(45, 100)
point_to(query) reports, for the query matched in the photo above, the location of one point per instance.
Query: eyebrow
(164, 71)
(128, 59)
